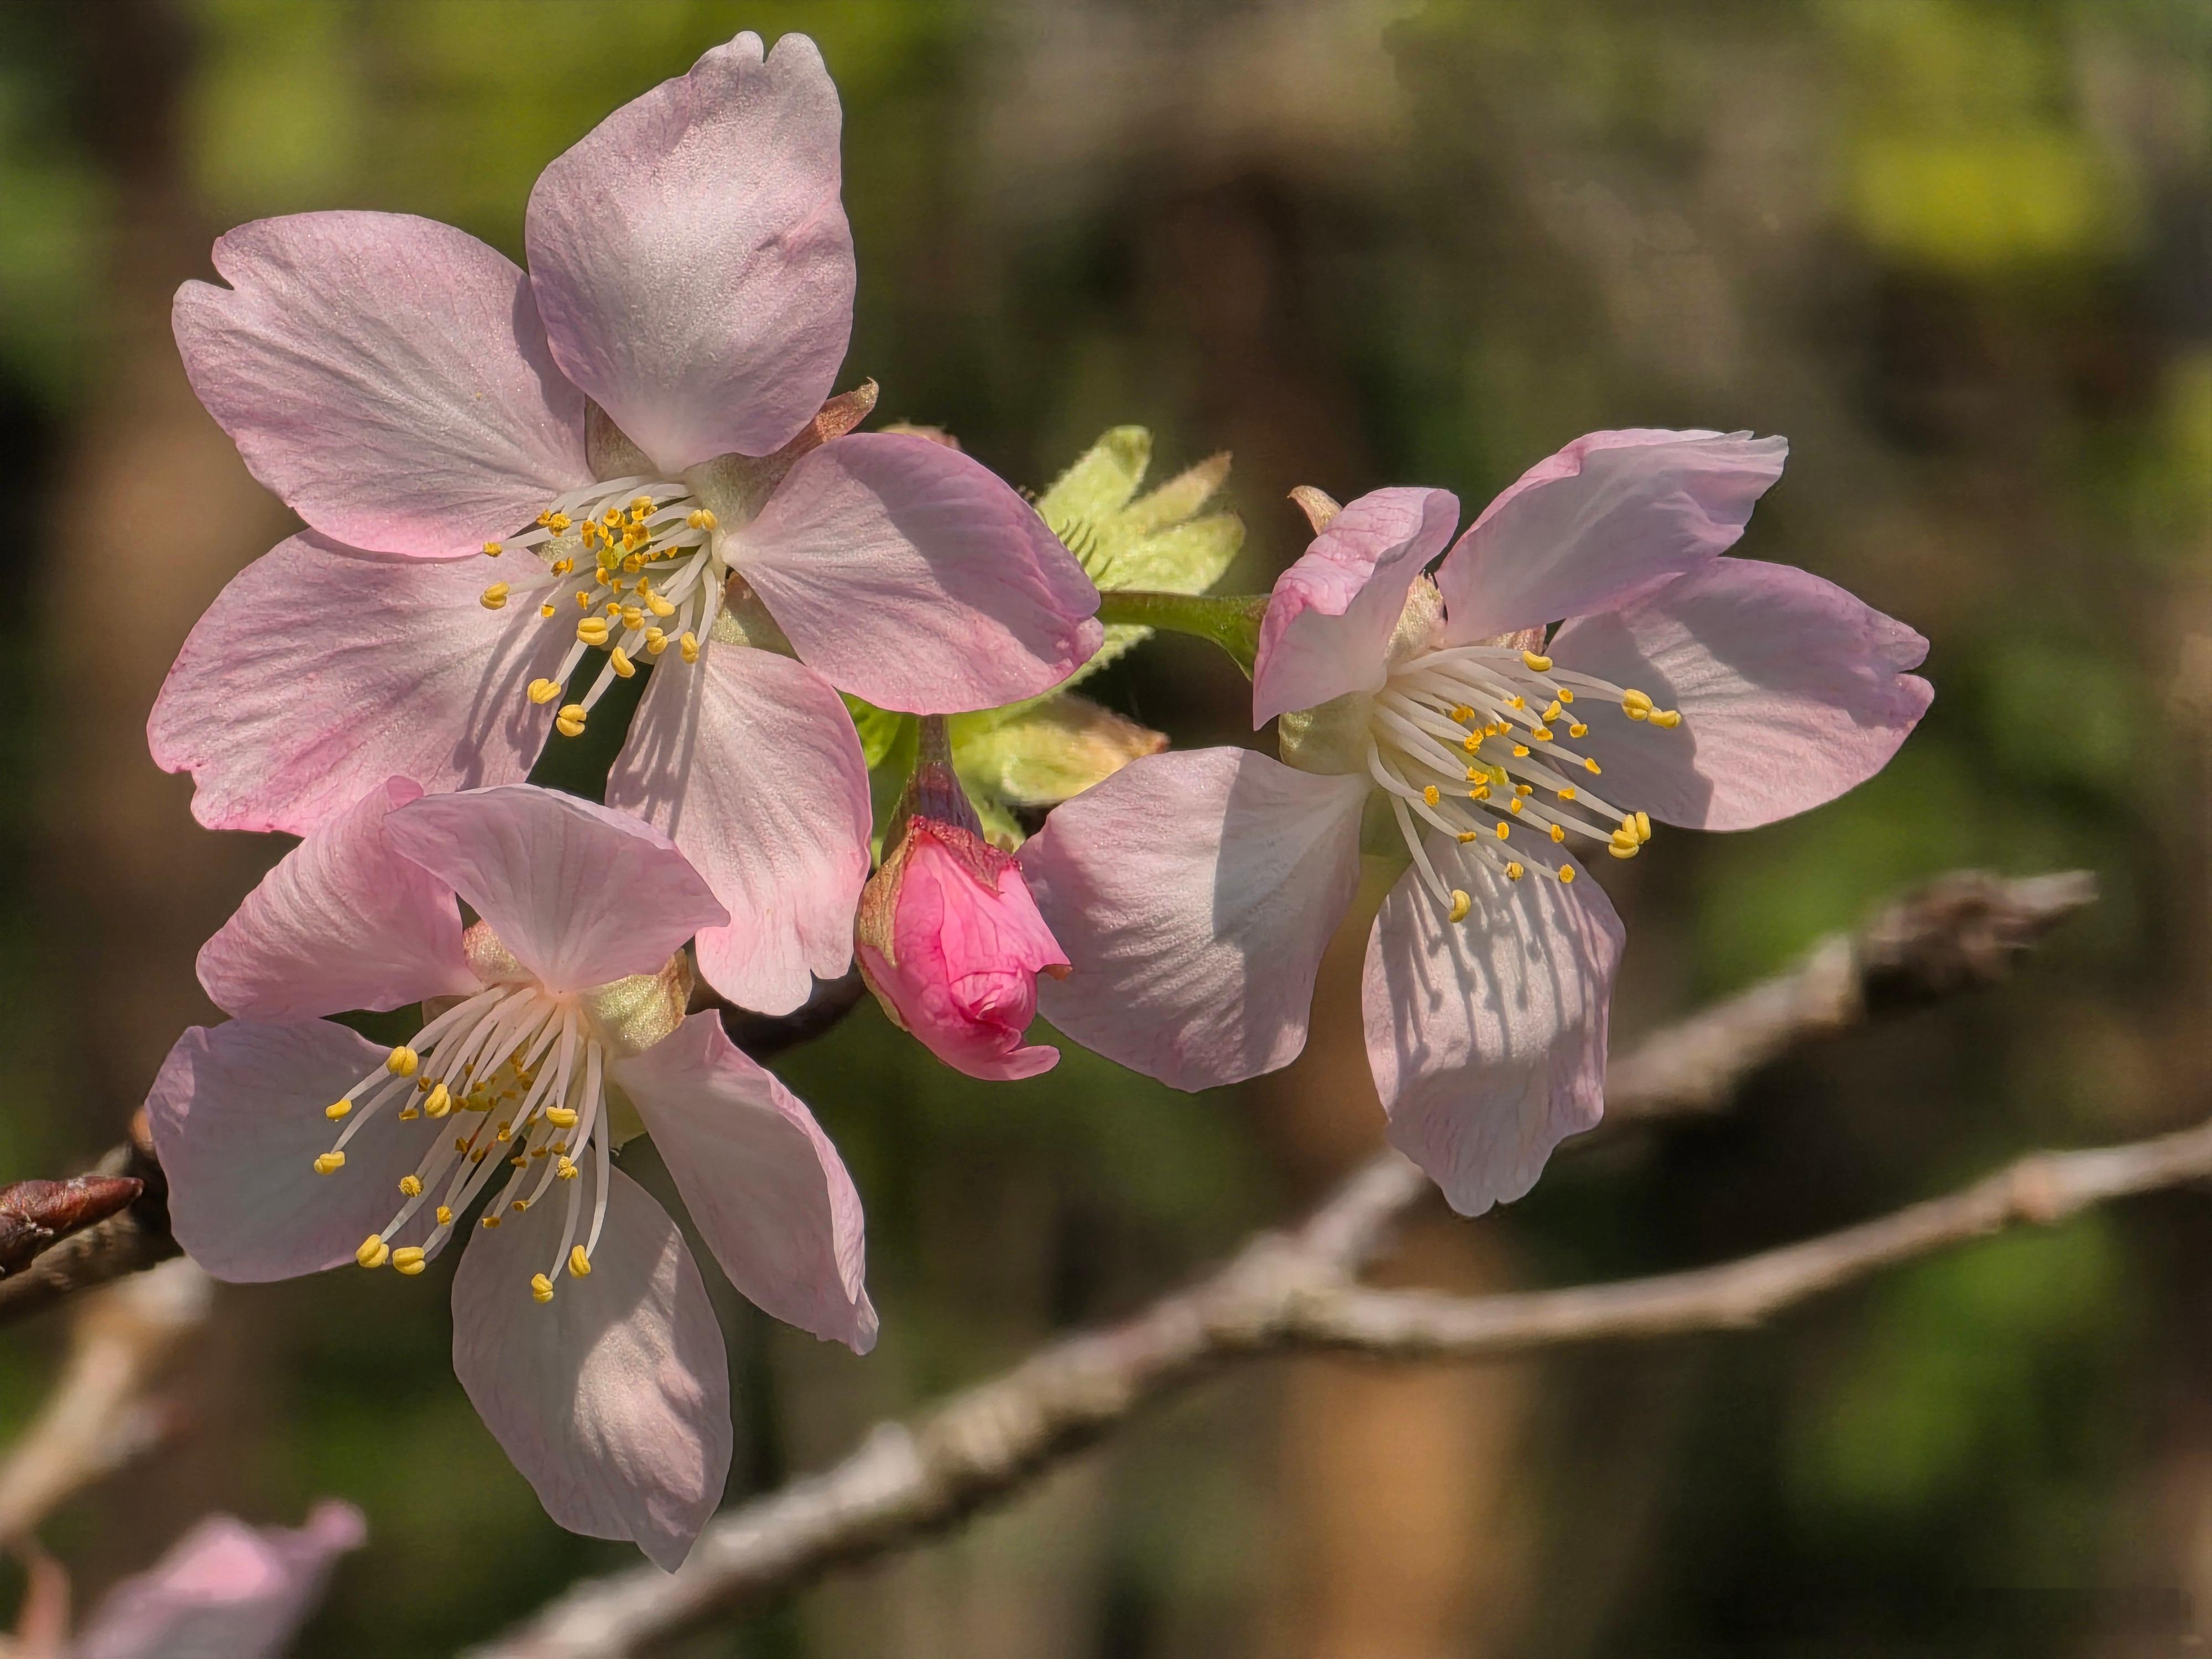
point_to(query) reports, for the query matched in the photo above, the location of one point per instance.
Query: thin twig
(1298, 1290)
(134, 1239)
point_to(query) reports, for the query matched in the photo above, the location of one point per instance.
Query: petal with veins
(1194, 894)
(387, 376)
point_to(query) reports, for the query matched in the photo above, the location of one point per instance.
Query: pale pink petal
(692, 256)
(1194, 894)
(225, 1591)
(581, 894)
(613, 1399)
(962, 978)
(237, 1115)
(749, 762)
(342, 922)
(321, 670)
(765, 1187)
(1792, 691)
(1608, 515)
(387, 376)
(910, 575)
(1329, 621)
(1487, 1036)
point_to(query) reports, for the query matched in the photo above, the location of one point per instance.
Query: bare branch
(1297, 1290)
(127, 1241)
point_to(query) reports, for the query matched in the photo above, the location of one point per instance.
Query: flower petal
(223, 1589)
(342, 922)
(613, 1399)
(910, 575)
(1604, 518)
(237, 1115)
(1194, 893)
(1487, 1036)
(749, 762)
(692, 259)
(581, 894)
(1328, 624)
(1792, 691)
(322, 671)
(387, 376)
(764, 1186)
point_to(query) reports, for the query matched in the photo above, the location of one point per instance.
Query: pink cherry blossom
(224, 1588)
(629, 426)
(553, 1028)
(949, 939)
(1196, 891)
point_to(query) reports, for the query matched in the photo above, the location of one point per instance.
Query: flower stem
(1231, 621)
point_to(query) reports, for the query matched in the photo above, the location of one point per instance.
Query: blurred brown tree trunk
(161, 513)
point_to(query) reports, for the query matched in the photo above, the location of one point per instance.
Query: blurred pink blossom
(555, 1028)
(225, 1591)
(1196, 891)
(630, 428)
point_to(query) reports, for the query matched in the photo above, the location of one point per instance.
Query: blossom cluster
(525, 491)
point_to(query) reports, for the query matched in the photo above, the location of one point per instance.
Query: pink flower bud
(951, 941)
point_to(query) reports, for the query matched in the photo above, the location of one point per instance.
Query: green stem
(1231, 621)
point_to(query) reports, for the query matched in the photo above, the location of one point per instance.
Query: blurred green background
(1960, 251)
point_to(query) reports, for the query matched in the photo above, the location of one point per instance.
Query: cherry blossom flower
(949, 939)
(613, 459)
(223, 1589)
(552, 1029)
(1196, 891)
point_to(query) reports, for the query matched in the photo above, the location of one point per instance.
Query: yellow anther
(543, 691)
(1628, 827)
(336, 1109)
(1516, 702)
(493, 597)
(618, 659)
(488, 1223)
(1541, 733)
(545, 518)
(634, 564)
(689, 646)
(700, 518)
(1636, 703)
(548, 609)
(1513, 870)
(1558, 832)
(1555, 710)
(1472, 742)
(614, 608)
(559, 523)
(1524, 788)
(505, 1132)
(1466, 835)
(632, 616)
(562, 566)
(409, 1113)
(1514, 805)
(1566, 872)
(611, 518)
(1643, 826)
(1463, 714)
(1431, 794)
(655, 641)
(1567, 794)
(408, 1259)
(541, 1287)
(1480, 792)
(579, 1264)
(374, 1252)
(1476, 773)
(561, 1117)
(1520, 751)
(591, 534)
(445, 1217)
(1636, 714)
(519, 1204)
(411, 1185)
(493, 550)
(1592, 767)
(1461, 904)
(1566, 694)
(1668, 718)
(1624, 844)
(401, 1061)
(440, 1100)
(1503, 830)
(1578, 730)
(570, 722)
(566, 1169)
(641, 505)
(1538, 664)
(658, 606)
